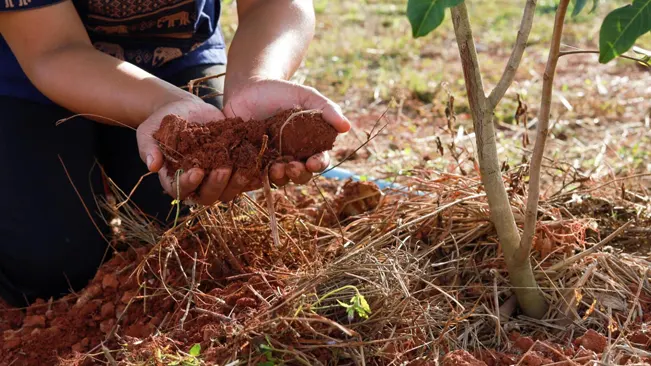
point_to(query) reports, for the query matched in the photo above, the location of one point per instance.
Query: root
(270, 206)
(193, 82)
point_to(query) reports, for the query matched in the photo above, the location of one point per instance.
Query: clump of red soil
(145, 290)
(248, 146)
(461, 358)
(354, 199)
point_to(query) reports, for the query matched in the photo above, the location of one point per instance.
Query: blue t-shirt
(159, 36)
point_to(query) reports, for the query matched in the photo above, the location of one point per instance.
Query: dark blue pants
(48, 243)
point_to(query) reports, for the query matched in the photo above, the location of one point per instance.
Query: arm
(57, 56)
(271, 40)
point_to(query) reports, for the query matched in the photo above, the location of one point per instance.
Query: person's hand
(192, 110)
(261, 99)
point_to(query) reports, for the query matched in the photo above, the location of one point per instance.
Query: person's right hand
(214, 182)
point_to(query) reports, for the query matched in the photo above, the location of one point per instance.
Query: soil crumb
(241, 144)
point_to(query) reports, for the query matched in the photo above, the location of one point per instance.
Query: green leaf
(622, 27)
(578, 6)
(195, 351)
(363, 304)
(427, 15)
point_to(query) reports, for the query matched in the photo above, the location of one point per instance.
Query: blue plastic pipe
(343, 174)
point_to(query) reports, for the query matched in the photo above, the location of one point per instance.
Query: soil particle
(592, 341)
(11, 343)
(461, 358)
(106, 325)
(535, 358)
(107, 310)
(641, 338)
(34, 321)
(110, 281)
(523, 343)
(240, 144)
(127, 296)
(77, 347)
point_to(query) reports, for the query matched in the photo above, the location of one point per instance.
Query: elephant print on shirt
(183, 18)
(165, 54)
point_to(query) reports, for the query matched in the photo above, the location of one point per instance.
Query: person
(121, 65)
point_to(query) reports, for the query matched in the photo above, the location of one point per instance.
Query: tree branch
(516, 54)
(469, 63)
(531, 213)
(640, 60)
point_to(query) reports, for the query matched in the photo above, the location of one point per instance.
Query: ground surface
(427, 264)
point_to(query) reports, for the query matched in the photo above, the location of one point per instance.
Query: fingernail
(150, 160)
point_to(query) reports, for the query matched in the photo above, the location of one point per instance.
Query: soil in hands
(247, 146)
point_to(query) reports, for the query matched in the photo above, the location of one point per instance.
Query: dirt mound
(354, 199)
(219, 282)
(249, 146)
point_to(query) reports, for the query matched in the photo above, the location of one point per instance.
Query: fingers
(313, 99)
(280, 174)
(277, 174)
(236, 185)
(148, 149)
(318, 163)
(298, 173)
(213, 186)
(332, 114)
(184, 186)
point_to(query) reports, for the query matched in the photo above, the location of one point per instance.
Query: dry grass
(427, 262)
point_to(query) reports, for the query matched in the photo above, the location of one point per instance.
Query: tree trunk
(521, 276)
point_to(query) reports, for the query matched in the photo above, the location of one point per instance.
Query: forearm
(270, 42)
(88, 81)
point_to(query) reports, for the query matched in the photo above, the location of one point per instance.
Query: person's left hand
(261, 99)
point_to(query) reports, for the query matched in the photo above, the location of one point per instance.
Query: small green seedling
(191, 359)
(195, 351)
(357, 305)
(267, 352)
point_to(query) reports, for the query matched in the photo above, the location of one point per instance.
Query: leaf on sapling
(578, 6)
(622, 27)
(427, 15)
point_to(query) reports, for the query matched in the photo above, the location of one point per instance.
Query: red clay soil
(355, 199)
(236, 143)
(124, 302)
